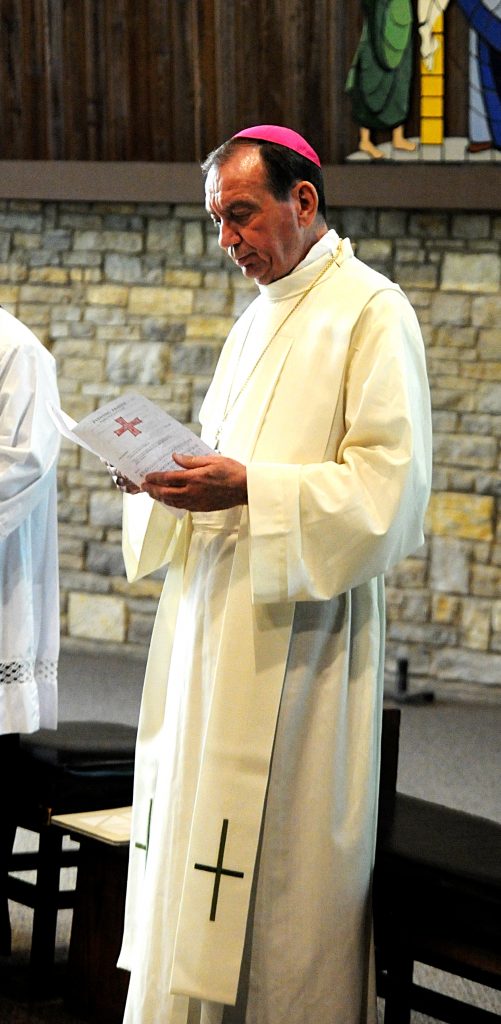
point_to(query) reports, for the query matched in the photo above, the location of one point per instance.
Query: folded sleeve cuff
(274, 528)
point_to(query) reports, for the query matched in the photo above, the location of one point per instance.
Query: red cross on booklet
(131, 427)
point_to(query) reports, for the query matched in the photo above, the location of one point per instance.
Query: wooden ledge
(387, 185)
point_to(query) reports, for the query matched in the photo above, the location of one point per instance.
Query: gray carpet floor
(449, 752)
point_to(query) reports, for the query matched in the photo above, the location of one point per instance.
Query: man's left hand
(203, 484)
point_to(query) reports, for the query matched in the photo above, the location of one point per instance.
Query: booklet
(133, 434)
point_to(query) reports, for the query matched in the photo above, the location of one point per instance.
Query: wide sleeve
(29, 441)
(148, 535)
(317, 530)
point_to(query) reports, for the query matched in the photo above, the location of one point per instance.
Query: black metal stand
(401, 693)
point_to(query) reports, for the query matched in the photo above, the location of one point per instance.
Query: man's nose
(228, 236)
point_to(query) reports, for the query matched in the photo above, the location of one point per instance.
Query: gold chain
(229, 408)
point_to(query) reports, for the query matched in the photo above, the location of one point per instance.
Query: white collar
(300, 277)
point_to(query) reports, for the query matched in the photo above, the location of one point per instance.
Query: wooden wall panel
(456, 77)
(166, 80)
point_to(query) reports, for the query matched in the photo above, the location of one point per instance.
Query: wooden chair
(80, 766)
(437, 901)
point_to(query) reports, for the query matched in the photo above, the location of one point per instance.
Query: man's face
(264, 236)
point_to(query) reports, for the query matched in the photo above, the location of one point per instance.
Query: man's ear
(307, 202)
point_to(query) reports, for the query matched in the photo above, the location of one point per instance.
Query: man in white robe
(29, 613)
(257, 764)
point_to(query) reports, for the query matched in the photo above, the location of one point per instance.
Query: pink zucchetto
(282, 136)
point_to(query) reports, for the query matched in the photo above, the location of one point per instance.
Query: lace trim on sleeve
(24, 670)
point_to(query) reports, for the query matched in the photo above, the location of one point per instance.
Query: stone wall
(139, 296)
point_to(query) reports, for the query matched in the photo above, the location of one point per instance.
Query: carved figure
(379, 79)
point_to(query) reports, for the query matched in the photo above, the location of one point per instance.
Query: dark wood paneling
(184, 57)
(167, 80)
(16, 90)
(456, 72)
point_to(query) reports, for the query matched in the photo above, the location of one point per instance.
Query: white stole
(252, 658)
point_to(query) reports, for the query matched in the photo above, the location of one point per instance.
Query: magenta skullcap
(282, 136)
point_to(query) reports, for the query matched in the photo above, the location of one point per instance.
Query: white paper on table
(133, 434)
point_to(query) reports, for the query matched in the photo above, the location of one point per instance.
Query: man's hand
(122, 482)
(204, 484)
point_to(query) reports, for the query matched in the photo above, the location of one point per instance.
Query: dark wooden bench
(437, 901)
(437, 883)
(82, 765)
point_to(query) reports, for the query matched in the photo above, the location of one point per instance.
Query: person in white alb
(257, 761)
(29, 613)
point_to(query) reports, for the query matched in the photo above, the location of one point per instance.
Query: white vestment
(276, 608)
(29, 616)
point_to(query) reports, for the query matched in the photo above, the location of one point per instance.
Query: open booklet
(133, 434)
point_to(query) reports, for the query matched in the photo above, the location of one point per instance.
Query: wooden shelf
(389, 186)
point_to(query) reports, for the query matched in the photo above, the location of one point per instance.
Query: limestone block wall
(139, 296)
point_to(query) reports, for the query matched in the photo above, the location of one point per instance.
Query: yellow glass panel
(437, 69)
(431, 106)
(432, 92)
(438, 62)
(432, 85)
(431, 132)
